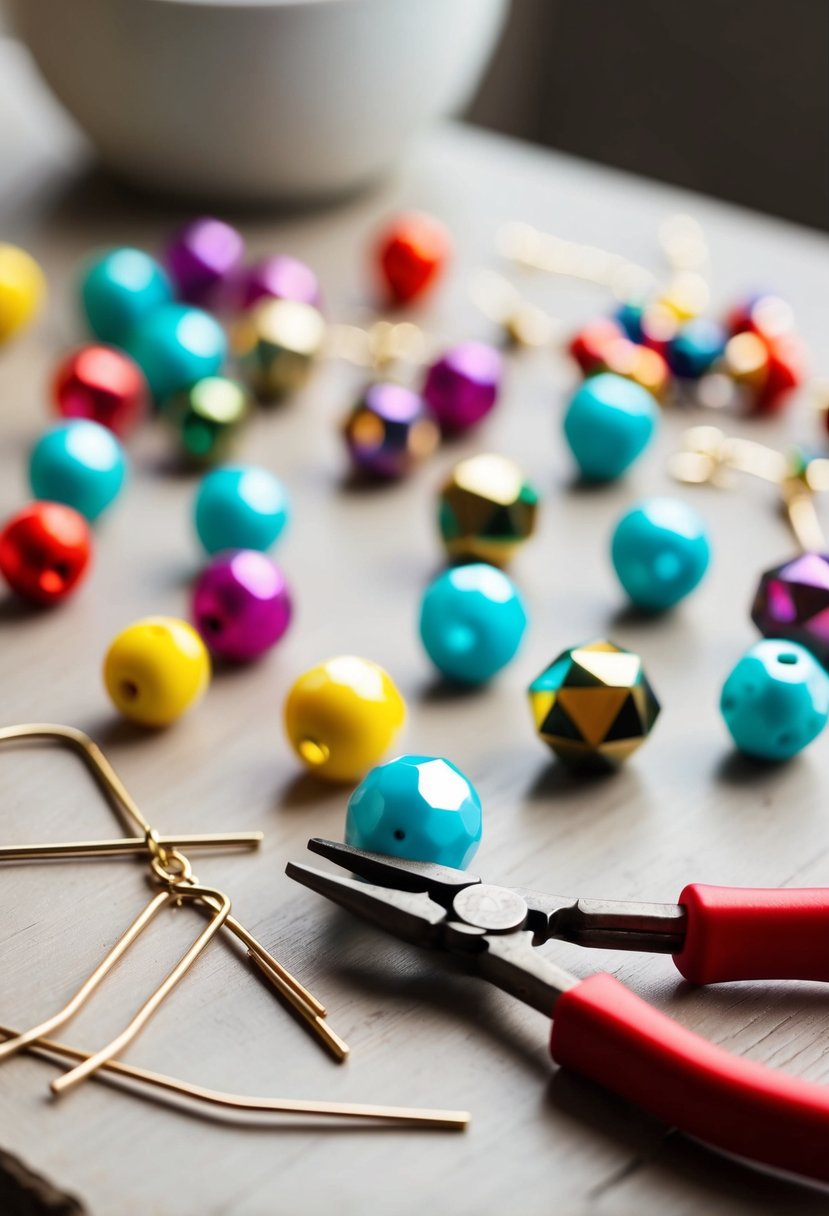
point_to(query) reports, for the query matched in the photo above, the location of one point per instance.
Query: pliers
(601, 1029)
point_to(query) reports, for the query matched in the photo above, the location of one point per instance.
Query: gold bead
(487, 510)
(277, 343)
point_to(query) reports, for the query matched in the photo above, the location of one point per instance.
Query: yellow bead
(342, 717)
(22, 289)
(156, 669)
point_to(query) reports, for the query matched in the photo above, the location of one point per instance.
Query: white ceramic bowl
(257, 99)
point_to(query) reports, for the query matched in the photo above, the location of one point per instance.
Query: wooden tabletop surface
(685, 808)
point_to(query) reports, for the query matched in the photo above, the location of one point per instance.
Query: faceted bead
(462, 386)
(697, 345)
(45, 551)
(241, 605)
(660, 552)
(487, 510)
(80, 464)
(240, 507)
(119, 289)
(411, 255)
(342, 716)
(102, 385)
(207, 418)
(608, 424)
(389, 430)
(176, 346)
(472, 621)
(156, 669)
(419, 807)
(277, 342)
(593, 705)
(280, 277)
(22, 290)
(776, 700)
(204, 260)
(792, 601)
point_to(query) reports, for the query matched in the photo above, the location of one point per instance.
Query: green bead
(176, 346)
(776, 700)
(608, 424)
(119, 289)
(207, 418)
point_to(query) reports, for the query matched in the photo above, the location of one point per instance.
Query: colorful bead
(156, 669)
(593, 705)
(472, 621)
(697, 345)
(412, 254)
(462, 386)
(280, 277)
(389, 431)
(119, 289)
(102, 385)
(208, 417)
(640, 364)
(591, 345)
(176, 346)
(788, 367)
(764, 314)
(22, 290)
(204, 260)
(45, 551)
(792, 602)
(240, 507)
(342, 716)
(241, 605)
(277, 343)
(608, 423)
(78, 463)
(660, 552)
(776, 700)
(487, 510)
(419, 807)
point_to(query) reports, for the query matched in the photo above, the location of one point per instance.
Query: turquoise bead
(240, 507)
(418, 807)
(698, 344)
(776, 700)
(120, 288)
(660, 552)
(472, 620)
(80, 464)
(176, 346)
(608, 423)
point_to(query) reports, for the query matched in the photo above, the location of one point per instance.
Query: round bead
(486, 510)
(419, 807)
(277, 343)
(787, 368)
(102, 385)
(697, 345)
(241, 605)
(280, 277)
(608, 423)
(462, 386)
(342, 716)
(590, 346)
(119, 289)
(207, 418)
(240, 507)
(45, 550)
(472, 621)
(640, 364)
(78, 463)
(156, 669)
(412, 253)
(660, 552)
(22, 290)
(176, 346)
(389, 430)
(204, 260)
(792, 601)
(764, 314)
(776, 700)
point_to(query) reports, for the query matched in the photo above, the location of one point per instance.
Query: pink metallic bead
(462, 386)
(241, 605)
(204, 260)
(280, 277)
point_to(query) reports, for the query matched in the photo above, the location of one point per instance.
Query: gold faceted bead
(207, 418)
(276, 343)
(487, 510)
(593, 705)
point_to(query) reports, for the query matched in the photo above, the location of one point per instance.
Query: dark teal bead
(776, 700)
(608, 423)
(176, 346)
(660, 552)
(78, 463)
(120, 288)
(695, 348)
(472, 620)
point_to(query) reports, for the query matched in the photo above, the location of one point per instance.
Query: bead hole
(129, 690)
(212, 624)
(313, 752)
(399, 834)
(788, 658)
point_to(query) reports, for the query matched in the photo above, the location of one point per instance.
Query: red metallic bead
(591, 345)
(104, 385)
(44, 551)
(412, 253)
(768, 316)
(787, 368)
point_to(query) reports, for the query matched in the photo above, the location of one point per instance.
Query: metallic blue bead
(660, 551)
(80, 464)
(176, 346)
(698, 344)
(120, 288)
(472, 620)
(608, 423)
(240, 507)
(776, 700)
(418, 807)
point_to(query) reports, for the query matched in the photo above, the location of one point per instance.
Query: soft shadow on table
(14, 610)
(735, 768)
(440, 690)
(304, 790)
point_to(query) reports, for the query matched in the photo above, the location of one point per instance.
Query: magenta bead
(280, 277)
(204, 260)
(462, 387)
(792, 602)
(241, 605)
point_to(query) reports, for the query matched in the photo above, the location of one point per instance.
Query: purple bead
(280, 277)
(241, 606)
(389, 430)
(792, 602)
(204, 259)
(463, 385)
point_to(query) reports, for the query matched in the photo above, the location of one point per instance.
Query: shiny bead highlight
(45, 551)
(660, 552)
(102, 385)
(240, 507)
(204, 260)
(486, 510)
(389, 431)
(280, 277)
(176, 346)
(776, 700)
(462, 386)
(207, 418)
(241, 605)
(792, 602)
(119, 289)
(608, 423)
(411, 255)
(80, 464)
(277, 343)
(22, 290)
(472, 622)
(156, 669)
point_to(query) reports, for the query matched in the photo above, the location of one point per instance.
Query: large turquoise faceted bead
(776, 700)
(608, 423)
(78, 463)
(418, 807)
(120, 288)
(240, 507)
(472, 620)
(176, 346)
(660, 552)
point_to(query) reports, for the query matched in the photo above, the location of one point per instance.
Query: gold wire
(338, 1048)
(128, 846)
